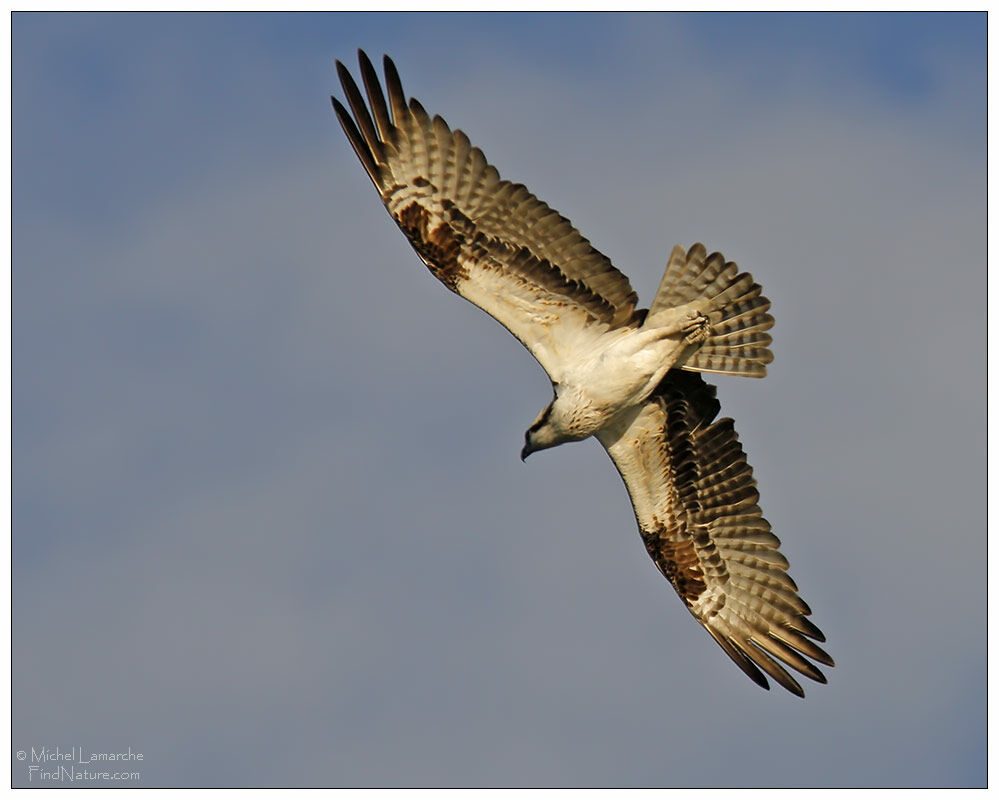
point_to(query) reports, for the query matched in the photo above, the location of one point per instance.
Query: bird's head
(541, 434)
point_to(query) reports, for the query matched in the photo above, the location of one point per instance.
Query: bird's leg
(695, 327)
(686, 322)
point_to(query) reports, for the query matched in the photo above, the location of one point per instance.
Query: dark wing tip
(808, 628)
(741, 659)
(391, 73)
(396, 94)
(343, 74)
(376, 99)
(342, 114)
(821, 656)
(357, 141)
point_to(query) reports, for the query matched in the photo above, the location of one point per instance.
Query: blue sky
(270, 526)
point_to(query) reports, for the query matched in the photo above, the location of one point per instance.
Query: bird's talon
(696, 329)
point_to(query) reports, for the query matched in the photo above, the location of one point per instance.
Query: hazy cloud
(269, 522)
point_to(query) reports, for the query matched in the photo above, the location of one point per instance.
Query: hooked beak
(526, 452)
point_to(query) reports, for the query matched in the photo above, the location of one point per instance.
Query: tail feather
(756, 334)
(750, 363)
(737, 342)
(742, 291)
(746, 321)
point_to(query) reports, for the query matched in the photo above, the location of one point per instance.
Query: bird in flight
(628, 376)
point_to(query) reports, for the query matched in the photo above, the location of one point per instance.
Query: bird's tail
(736, 341)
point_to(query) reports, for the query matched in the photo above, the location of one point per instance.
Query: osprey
(625, 375)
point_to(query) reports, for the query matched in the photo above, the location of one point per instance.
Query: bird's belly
(621, 378)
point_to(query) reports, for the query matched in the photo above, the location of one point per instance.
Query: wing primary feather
(417, 109)
(740, 658)
(397, 98)
(806, 627)
(375, 97)
(357, 142)
(421, 138)
(360, 110)
(789, 657)
(775, 670)
(792, 638)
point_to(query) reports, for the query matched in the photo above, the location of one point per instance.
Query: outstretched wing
(696, 503)
(489, 240)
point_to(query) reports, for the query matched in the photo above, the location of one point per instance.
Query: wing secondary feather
(695, 500)
(488, 240)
